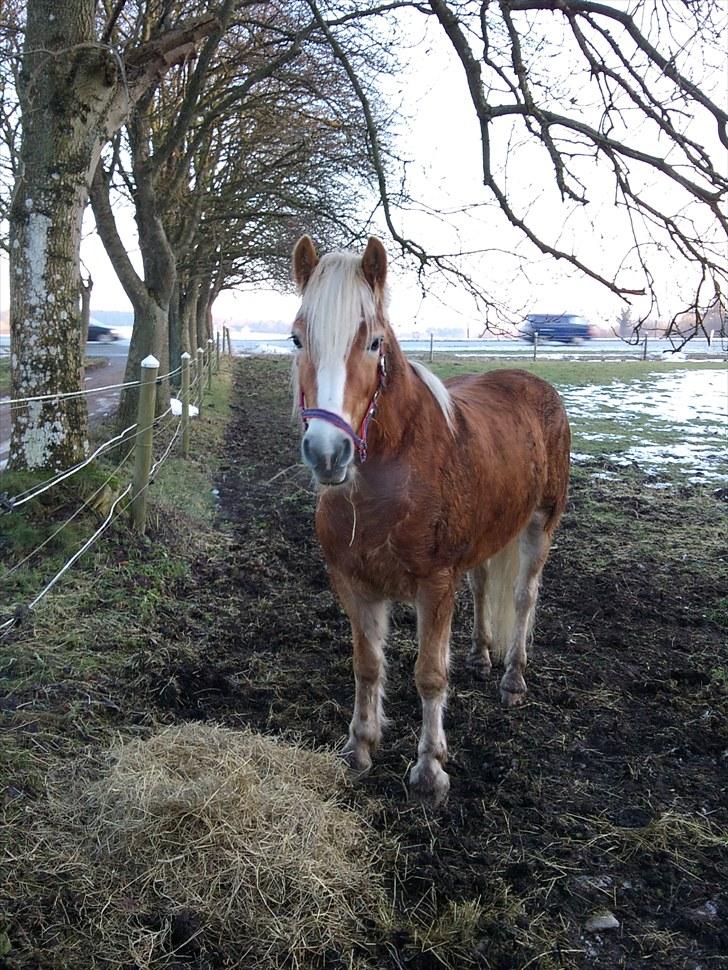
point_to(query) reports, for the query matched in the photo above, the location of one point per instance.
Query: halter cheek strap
(359, 440)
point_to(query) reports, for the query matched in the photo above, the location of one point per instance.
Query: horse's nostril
(306, 449)
(345, 452)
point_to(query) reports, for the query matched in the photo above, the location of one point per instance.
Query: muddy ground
(606, 792)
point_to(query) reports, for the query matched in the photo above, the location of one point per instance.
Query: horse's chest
(387, 546)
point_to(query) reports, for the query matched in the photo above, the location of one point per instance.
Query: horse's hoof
(511, 699)
(512, 689)
(357, 758)
(479, 668)
(429, 784)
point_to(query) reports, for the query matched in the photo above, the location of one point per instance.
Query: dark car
(98, 333)
(565, 328)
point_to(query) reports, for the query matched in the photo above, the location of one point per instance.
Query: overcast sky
(439, 136)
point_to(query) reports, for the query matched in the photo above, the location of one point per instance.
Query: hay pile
(207, 841)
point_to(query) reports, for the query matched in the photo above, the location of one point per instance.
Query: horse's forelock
(335, 302)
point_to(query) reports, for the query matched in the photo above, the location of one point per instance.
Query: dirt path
(603, 793)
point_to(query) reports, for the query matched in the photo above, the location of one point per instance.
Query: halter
(359, 440)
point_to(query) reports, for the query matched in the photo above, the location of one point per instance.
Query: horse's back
(523, 416)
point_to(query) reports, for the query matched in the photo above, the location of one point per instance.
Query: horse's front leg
(369, 622)
(435, 603)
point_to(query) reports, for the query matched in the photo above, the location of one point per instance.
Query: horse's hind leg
(369, 622)
(435, 602)
(478, 658)
(533, 548)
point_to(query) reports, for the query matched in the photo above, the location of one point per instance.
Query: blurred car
(565, 328)
(98, 333)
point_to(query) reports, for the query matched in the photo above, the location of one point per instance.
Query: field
(602, 798)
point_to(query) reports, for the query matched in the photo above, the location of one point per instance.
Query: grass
(71, 648)
(574, 373)
(622, 416)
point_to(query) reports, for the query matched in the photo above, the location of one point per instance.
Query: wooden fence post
(644, 349)
(432, 340)
(217, 352)
(230, 346)
(145, 433)
(210, 345)
(200, 375)
(185, 404)
(535, 344)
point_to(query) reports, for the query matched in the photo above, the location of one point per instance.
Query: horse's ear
(305, 260)
(374, 264)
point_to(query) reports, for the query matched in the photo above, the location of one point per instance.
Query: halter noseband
(359, 440)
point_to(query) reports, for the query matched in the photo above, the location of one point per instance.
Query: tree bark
(149, 297)
(175, 329)
(86, 288)
(68, 91)
(73, 97)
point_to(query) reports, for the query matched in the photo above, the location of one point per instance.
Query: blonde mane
(336, 300)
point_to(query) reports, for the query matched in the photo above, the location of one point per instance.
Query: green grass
(574, 373)
(627, 414)
(60, 666)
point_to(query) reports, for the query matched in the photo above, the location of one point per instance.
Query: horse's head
(340, 335)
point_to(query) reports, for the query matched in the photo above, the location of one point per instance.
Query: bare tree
(589, 94)
(229, 160)
(74, 91)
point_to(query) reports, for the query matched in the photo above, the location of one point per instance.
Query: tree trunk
(190, 316)
(202, 308)
(86, 289)
(64, 99)
(175, 330)
(73, 96)
(150, 297)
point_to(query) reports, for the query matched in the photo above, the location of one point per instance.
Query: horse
(420, 482)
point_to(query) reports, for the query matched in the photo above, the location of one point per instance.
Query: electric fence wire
(65, 395)
(112, 514)
(71, 517)
(79, 552)
(30, 493)
(22, 497)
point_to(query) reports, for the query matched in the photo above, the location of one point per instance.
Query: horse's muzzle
(328, 455)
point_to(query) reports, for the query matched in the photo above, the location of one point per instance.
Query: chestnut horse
(420, 481)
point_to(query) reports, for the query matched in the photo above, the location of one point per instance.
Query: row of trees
(232, 126)
(229, 129)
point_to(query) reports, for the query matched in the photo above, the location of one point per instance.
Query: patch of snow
(176, 406)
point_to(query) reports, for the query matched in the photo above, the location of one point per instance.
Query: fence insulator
(143, 456)
(185, 404)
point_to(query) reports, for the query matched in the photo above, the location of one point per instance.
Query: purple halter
(359, 440)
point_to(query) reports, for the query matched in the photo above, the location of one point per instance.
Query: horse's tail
(500, 591)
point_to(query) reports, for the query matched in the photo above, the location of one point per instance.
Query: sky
(439, 136)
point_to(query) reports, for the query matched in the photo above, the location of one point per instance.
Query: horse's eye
(376, 344)
(296, 341)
